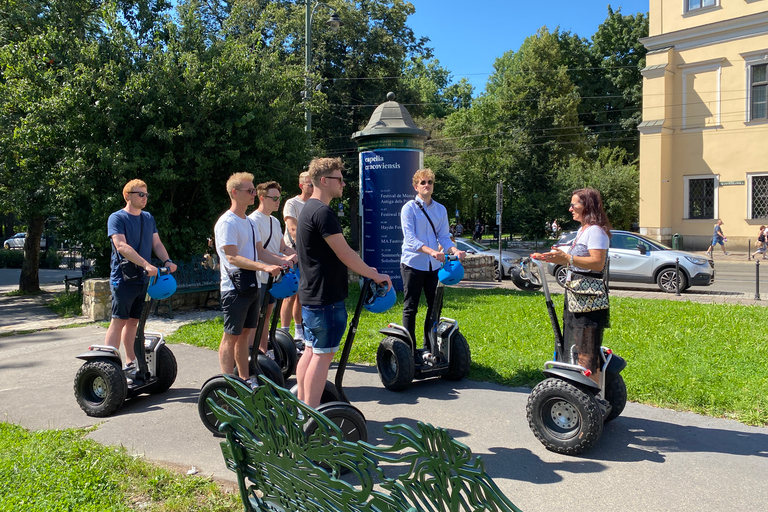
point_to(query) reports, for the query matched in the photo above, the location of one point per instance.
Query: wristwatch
(171, 261)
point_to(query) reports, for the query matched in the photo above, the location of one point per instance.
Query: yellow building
(705, 121)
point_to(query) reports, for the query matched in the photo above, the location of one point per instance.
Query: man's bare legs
(311, 374)
(124, 331)
(234, 350)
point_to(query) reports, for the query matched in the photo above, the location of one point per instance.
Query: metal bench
(279, 468)
(193, 277)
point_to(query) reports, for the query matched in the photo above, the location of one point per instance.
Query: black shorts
(127, 300)
(240, 312)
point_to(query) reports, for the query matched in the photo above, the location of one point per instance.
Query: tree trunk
(29, 281)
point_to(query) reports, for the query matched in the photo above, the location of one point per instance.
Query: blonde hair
(236, 179)
(322, 167)
(130, 186)
(423, 174)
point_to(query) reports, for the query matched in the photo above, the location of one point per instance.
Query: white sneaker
(726, 254)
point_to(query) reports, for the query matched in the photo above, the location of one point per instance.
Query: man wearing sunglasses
(291, 307)
(134, 236)
(240, 250)
(324, 257)
(425, 230)
(272, 235)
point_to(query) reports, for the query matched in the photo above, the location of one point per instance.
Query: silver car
(17, 241)
(508, 258)
(637, 259)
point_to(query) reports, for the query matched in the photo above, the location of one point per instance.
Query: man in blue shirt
(425, 229)
(134, 236)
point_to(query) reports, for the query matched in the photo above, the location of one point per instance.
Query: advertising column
(385, 186)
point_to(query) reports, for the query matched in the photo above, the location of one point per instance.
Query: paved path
(649, 459)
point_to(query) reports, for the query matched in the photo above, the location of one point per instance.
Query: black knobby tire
(100, 387)
(347, 417)
(564, 418)
(166, 369)
(461, 358)
(666, 280)
(270, 369)
(209, 391)
(616, 394)
(521, 283)
(285, 353)
(394, 361)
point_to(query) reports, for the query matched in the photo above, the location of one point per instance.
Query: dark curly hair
(593, 209)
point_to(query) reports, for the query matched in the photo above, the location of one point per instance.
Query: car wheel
(496, 271)
(666, 280)
(561, 274)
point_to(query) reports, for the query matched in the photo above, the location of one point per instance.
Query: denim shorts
(127, 300)
(324, 326)
(240, 312)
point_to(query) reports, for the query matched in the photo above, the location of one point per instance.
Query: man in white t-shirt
(292, 306)
(238, 245)
(272, 240)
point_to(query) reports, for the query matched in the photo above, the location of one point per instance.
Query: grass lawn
(54, 470)
(705, 358)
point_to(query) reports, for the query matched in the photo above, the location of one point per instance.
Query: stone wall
(97, 300)
(478, 267)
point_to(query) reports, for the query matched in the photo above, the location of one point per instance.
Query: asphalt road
(649, 459)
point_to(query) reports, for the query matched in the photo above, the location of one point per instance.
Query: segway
(285, 350)
(101, 384)
(446, 352)
(258, 364)
(334, 402)
(567, 410)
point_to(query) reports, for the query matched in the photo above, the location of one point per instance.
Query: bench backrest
(266, 445)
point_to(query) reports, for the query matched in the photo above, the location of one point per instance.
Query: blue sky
(469, 36)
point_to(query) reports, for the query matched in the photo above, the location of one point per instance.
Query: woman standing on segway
(584, 316)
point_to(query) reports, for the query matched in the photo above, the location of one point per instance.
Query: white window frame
(750, 176)
(752, 59)
(703, 67)
(686, 195)
(687, 9)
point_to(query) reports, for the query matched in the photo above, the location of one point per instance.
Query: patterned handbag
(586, 293)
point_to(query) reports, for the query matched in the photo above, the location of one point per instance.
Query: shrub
(10, 258)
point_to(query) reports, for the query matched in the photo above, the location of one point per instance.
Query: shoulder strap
(427, 216)
(269, 238)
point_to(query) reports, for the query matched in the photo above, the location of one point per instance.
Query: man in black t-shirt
(324, 257)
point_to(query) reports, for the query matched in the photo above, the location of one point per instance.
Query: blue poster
(385, 186)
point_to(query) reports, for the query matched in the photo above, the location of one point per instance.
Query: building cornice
(712, 33)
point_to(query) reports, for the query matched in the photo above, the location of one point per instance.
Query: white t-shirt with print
(292, 208)
(240, 232)
(272, 240)
(589, 237)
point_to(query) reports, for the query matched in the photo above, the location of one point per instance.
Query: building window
(692, 5)
(759, 92)
(700, 197)
(758, 196)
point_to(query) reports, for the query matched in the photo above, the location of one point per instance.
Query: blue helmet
(451, 272)
(379, 299)
(161, 286)
(286, 285)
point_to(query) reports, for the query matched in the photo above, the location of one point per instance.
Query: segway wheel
(394, 361)
(209, 390)
(564, 418)
(166, 370)
(348, 418)
(285, 353)
(616, 394)
(271, 369)
(461, 358)
(521, 283)
(100, 387)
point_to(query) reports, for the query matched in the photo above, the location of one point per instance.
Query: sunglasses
(341, 180)
(249, 190)
(573, 205)
(274, 198)
(141, 194)
(426, 182)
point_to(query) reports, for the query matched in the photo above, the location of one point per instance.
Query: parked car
(637, 259)
(508, 258)
(17, 241)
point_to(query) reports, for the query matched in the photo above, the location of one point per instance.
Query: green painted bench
(192, 277)
(279, 469)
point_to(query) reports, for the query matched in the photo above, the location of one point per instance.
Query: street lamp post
(335, 23)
